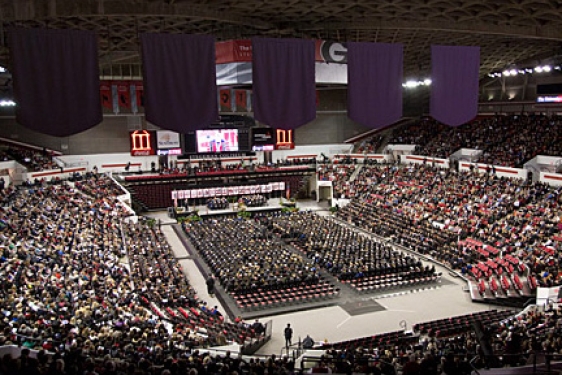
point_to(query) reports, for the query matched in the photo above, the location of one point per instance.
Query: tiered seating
(399, 280)
(481, 287)
(34, 160)
(98, 185)
(459, 324)
(517, 284)
(339, 174)
(379, 341)
(505, 140)
(370, 145)
(418, 133)
(532, 280)
(506, 285)
(153, 195)
(264, 298)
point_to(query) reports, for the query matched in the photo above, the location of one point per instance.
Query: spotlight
(427, 81)
(513, 72)
(411, 84)
(538, 69)
(491, 75)
(528, 70)
(546, 68)
(7, 103)
(506, 73)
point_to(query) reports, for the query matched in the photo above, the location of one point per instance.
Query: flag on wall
(241, 100)
(124, 92)
(225, 100)
(105, 94)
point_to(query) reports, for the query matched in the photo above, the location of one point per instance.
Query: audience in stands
(370, 145)
(33, 160)
(417, 133)
(77, 280)
(428, 210)
(506, 140)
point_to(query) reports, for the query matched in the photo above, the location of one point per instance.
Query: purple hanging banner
(180, 88)
(56, 80)
(284, 88)
(454, 86)
(374, 73)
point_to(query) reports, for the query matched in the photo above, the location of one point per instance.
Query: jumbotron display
(217, 140)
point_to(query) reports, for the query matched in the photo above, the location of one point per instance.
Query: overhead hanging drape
(180, 89)
(374, 72)
(454, 87)
(284, 93)
(56, 80)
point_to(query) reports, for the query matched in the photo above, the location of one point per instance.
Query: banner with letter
(124, 93)
(241, 100)
(105, 94)
(225, 100)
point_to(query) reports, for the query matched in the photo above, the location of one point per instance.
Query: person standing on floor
(288, 335)
(211, 285)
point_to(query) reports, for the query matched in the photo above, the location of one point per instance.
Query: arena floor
(362, 316)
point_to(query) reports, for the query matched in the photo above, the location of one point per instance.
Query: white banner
(228, 191)
(167, 139)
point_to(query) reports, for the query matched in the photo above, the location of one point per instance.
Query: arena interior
(187, 190)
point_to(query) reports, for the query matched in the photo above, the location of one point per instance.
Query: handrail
(471, 362)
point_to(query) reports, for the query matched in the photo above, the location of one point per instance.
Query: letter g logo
(334, 52)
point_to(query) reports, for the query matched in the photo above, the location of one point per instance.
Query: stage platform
(273, 205)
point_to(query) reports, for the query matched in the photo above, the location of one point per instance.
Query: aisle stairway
(355, 173)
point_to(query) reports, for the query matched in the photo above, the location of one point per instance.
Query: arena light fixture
(506, 73)
(546, 68)
(411, 84)
(7, 103)
(513, 72)
(538, 69)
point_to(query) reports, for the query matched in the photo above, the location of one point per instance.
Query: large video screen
(217, 140)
